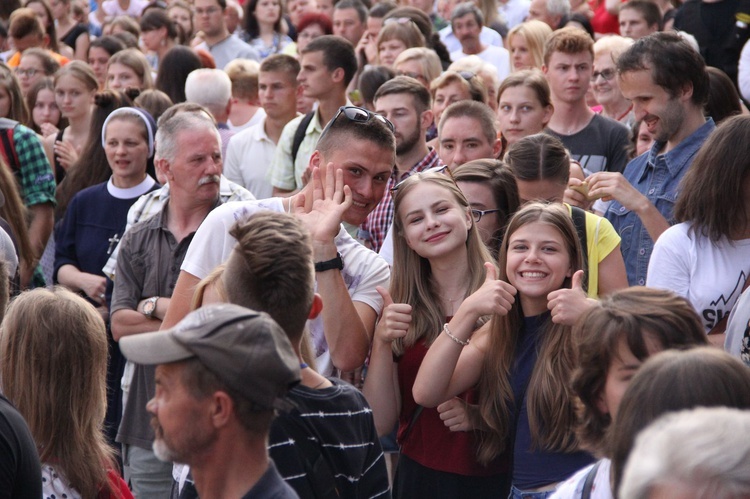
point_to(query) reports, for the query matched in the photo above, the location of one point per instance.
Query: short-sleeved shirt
(657, 177)
(287, 174)
(602, 145)
(363, 268)
(249, 158)
(148, 265)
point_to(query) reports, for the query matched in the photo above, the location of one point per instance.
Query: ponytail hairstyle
(549, 397)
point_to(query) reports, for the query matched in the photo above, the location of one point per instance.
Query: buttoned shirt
(656, 176)
(152, 203)
(249, 158)
(286, 173)
(372, 232)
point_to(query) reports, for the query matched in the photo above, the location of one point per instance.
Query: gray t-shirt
(601, 146)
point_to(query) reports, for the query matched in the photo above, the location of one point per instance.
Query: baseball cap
(245, 349)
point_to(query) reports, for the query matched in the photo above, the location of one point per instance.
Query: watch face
(149, 307)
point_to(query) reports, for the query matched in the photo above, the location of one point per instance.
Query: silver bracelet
(447, 331)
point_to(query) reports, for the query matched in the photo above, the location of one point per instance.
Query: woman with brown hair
(73, 34)
(63, 398)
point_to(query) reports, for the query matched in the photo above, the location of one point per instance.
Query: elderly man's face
(182, 425)
(196, 168)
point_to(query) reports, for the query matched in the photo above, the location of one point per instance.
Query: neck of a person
(472, 47)
(230, 467)
(405, 161)
(220, 35)
(185, 213)
(617, 109)
(79, 129)
(308, 376)
(570, 117)
(127, 182)
(266, 31)
(693, 119)
(450, 273)
(242, 111)
(329, 105)
(124, 4)
(274, 125)
(164, 48)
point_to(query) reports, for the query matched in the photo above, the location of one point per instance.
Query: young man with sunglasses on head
(354, 156)
(327, 65)
(596, 142)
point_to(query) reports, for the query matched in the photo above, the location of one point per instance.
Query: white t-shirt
(260, 115)
(572, 488)
(497, 56)
(249, 156)
(710, 276)
(363, 268)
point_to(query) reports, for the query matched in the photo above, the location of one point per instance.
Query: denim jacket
(657, 177)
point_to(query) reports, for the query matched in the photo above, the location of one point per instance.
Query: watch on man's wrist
(149, 306)
(333, 264)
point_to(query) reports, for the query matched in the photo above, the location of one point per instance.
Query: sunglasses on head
(359, 115)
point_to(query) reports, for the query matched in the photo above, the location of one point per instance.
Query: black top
(20, 471)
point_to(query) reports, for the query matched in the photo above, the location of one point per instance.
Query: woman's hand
(494, 297)
(94, 286)
(66, 153)
(567, 305)
(48, 129)
(455, 415)
(395, 320)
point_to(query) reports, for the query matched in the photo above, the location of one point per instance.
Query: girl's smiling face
(538, 262)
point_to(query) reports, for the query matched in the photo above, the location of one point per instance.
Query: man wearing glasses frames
(358, 148)
(406, 103)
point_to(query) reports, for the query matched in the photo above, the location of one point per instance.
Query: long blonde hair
(411, 280)
(550, 400)
(53, 364)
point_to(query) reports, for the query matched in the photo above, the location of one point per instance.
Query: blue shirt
(657, 177)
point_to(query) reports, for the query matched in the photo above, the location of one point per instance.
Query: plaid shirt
(35, 175)
(152, 203)
(372, 232)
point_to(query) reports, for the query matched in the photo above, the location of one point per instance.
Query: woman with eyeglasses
(604, 79)
(35, 64)
(439, 267)
(490, 188)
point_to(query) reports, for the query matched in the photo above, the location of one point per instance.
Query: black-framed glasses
(478, 214)
(607, 74)
(359, 115)
(434, 169)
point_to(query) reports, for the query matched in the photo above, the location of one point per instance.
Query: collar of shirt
(676, 159)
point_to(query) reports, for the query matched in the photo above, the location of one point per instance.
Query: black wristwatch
(336, 263)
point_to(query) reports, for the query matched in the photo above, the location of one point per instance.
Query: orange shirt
(15, 60)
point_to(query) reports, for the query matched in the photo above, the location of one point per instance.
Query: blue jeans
(516, 493)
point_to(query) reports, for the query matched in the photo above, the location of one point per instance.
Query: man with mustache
(188, 156)
(467, 21)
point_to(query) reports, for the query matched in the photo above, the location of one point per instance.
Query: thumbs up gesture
(567, 305)
(395, 319)
(494, 297)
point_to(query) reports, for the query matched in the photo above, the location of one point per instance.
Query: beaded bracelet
(447, 331)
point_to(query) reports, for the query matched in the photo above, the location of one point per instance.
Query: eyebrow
(431, 206)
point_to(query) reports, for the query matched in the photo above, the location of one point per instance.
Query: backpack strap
(299, 134)
(588, 484)
(579, 220)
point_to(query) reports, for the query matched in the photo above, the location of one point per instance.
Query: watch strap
(333, 264)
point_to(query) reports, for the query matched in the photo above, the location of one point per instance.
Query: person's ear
(426, 119)
(316, 308)
(222, 407)
(337, 75)
(314, 160)
(497, 147)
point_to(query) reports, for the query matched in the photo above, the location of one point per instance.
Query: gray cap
(246, 349)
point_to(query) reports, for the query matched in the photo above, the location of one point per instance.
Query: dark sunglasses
(358, 115)
(434, 169)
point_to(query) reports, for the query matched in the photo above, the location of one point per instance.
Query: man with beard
(667, 82)
(188, 155)
(221, 373)
(406, 103)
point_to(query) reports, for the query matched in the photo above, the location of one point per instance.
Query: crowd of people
(427, 249)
